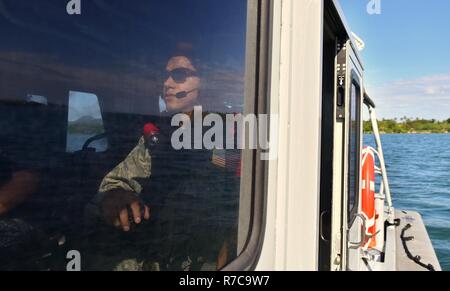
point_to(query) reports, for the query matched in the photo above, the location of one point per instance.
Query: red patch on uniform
(150, 129)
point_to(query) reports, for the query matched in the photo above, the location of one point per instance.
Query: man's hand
(115, 207)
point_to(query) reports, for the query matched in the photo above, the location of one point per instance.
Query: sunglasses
(180, 75)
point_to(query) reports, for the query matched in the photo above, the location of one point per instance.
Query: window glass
(112, 79)
(354, 152)
(85, 124)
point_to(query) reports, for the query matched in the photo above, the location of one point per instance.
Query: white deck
(420, 246)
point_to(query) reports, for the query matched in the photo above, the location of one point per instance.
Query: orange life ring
(368, 197)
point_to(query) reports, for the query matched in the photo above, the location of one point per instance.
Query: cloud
(123, 87)
(127, 88)
(425, 97)
(224, 87)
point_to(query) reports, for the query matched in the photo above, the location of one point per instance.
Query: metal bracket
(341, 73)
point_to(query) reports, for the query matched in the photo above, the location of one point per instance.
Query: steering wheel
(92, 139)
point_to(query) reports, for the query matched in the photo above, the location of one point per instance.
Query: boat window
(85, 123)
(87, 103)
(354, 149)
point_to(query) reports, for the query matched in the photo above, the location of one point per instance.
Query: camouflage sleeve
(126, 176)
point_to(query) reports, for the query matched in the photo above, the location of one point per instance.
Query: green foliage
(85, 128)
(409, 125)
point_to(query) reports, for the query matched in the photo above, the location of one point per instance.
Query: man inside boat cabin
(158, 194)
(120, 187)
(19, 164)
(16, 184)
(20, 178)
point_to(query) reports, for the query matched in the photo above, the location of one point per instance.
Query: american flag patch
(219, 158)
(229, 159)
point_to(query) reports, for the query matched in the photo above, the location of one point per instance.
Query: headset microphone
(183, 94)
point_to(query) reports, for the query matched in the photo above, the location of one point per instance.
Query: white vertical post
(376, 133)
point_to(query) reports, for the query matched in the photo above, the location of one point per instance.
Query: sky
(83, 104)
(406, 56)
(119, 51)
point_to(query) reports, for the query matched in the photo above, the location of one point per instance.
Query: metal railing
(385, 191)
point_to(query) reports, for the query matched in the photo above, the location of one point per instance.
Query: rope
(416, 259)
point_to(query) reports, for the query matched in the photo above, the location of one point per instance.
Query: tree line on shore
(408, 125)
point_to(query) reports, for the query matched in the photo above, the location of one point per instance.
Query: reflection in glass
(85, 121)
(118, 51)
(354, 150)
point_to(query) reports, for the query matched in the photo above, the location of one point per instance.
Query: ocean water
(418, 169)
(75, 142)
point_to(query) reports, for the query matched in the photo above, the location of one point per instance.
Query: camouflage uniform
(128, 174)
(179, 187)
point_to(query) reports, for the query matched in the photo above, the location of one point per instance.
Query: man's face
(181, 79)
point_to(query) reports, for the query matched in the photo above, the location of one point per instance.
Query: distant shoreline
(410, 126)
(411, 133)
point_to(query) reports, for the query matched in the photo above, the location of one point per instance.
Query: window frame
(254, 181)
(355, 81)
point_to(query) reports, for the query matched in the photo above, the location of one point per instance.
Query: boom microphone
(183, 94)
